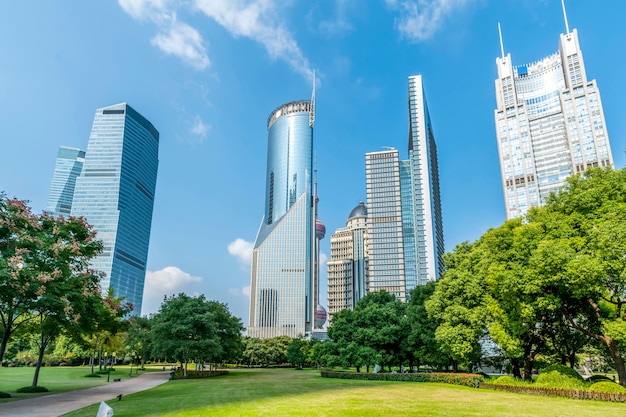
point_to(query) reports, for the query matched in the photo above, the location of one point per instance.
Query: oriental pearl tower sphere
(320, 312)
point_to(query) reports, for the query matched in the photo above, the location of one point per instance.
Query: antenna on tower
(312, 111)
(565, 16)
(501, 43)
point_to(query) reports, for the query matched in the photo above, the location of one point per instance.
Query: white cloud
(167, 281)
(185, 42)
(323, 259)
(244, 291)
(257, 20)
(242, 250)
(420, 19)
(145, 9)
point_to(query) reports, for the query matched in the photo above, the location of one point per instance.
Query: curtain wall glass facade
(115, 193)
(68, 167)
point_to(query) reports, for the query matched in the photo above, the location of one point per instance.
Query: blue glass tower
(68, 167)
(283, 293)
(115, 193)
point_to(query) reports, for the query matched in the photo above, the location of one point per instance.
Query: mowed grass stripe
(287, 392)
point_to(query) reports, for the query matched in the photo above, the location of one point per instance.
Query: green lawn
(288, 392)
(56, 379)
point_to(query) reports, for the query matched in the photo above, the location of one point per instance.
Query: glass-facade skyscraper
(68, 167)
(115, 193)
(283, 288)
(549, 125)
(404, 223)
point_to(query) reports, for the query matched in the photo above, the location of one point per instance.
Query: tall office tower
(115, 193)
(384, 223)
(549, 124)
(425, 197)
(283, 298)
(67, 168)
(347, 268)
(405, 226)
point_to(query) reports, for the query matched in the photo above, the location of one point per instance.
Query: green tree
(584, 253)
(184, 329)
(458, 304)
(421, 342)
(372, 333)
(18, 273)
(296, 352)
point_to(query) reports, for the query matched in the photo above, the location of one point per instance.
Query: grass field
(288, 392)
(56, 379)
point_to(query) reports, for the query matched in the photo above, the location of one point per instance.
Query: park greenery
(548, 288)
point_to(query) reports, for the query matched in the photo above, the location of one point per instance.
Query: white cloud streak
(420, 19)
(167, 281)
(183, 41)
(175, 38)
(258, 20)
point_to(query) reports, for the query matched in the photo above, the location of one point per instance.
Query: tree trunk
(572, 360)
(515, 368)
(42, 349)
(358, 369)
(367, 368)
(5, 340)
(528, 367)
(617, 358)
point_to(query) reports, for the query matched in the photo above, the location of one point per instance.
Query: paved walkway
(57, 404)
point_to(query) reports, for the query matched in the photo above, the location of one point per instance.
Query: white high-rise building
(549, 124)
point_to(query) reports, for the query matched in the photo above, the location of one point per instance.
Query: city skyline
(208, 82)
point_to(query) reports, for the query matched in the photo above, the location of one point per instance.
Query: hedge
(468, 380)
(559, 392)
(197, 374)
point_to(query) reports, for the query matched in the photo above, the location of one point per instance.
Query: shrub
(5, 395)
(197, 374)
(92, 376)
(607, 386)
(468, 380)
(563, 370)
(32, 389)
(555, 379)
(509, 380)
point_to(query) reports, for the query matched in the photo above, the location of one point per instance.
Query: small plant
(508, 380)
(5, 395)
(30, 390)
(92, 376)
(607, 386)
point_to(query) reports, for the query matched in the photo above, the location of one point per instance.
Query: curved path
(57, 404)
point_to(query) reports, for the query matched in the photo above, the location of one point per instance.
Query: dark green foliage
(5, 395)
(468, 380)
(92, 376)
(607, 386)
(563, 370)
(197, 374)
(598, 378)
(32, 389)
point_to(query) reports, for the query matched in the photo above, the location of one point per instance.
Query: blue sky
(207, 73)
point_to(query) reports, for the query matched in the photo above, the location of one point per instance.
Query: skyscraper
(283, 288)
(68, 167)
(549, 124)
(348, 264)
(404, 223)
(115, 193)
(425, 195)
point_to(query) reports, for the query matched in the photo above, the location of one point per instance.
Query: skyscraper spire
(565, 17)
(312, 112)
(501, 43)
